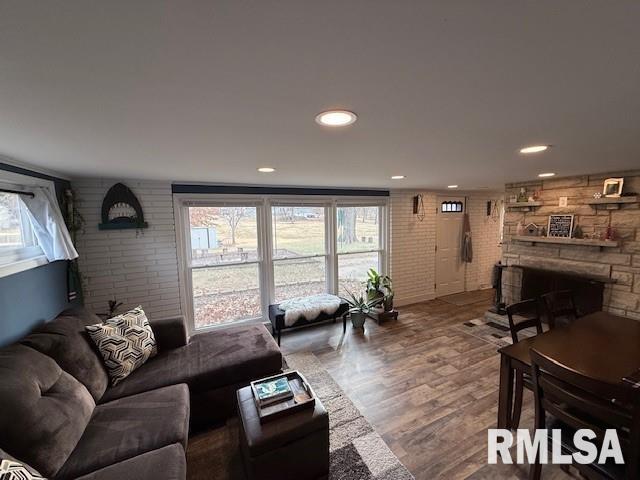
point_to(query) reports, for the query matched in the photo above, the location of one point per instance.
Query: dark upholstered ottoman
(293, 446)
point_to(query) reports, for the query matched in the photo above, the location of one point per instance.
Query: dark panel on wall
(30, 298)
(254, 190)
(34, 296)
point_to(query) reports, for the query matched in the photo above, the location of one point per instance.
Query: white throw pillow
(125, 342)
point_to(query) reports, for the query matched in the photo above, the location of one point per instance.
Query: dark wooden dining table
(599, 345)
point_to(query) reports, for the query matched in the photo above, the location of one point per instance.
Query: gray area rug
(357, 452)
(494, 330)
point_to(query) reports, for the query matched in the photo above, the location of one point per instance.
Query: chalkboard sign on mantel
(560, 226)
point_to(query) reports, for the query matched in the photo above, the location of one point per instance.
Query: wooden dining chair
(525, 314)
(559, 306)
(575, 401)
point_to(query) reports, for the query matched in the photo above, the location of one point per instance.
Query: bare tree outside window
(233, 215)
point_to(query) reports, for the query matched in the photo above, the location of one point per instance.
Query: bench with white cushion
(313, 314)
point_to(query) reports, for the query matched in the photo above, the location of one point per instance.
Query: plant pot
(388, 304)
(357, 319)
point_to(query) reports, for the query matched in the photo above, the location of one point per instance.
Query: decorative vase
(357, 319)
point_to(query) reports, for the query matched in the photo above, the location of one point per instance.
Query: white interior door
(449, 266)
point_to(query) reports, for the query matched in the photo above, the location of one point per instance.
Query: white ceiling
(446, 91)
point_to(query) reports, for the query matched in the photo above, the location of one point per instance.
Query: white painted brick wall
(485, 233)
(136, 267)
(140, 268)
(413, 246)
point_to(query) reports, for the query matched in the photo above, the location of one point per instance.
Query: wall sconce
(418, 207)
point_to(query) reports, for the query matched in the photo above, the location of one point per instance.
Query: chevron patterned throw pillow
(125, 341)
(11, 469)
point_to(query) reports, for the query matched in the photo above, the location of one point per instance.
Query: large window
(224, 264)
(359, 245)
(299, 251)
(17, 241)
(240, 256)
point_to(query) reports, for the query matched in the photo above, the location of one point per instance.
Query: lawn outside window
(299, 251)
(359, 242)
(224, 263)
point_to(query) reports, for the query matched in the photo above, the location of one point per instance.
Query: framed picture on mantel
(560, 226)
(613, 187)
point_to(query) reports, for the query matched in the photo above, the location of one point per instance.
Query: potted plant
(380, 287)
(359, 308)
(113, 307)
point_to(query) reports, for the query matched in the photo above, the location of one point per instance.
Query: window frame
(185, 263)
(300, 204)
(24, 258)
(383, 239)
(264, 203)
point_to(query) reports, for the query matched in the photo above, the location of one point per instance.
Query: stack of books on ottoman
(281, 394)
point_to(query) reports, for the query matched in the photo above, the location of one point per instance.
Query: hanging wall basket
(121, 209)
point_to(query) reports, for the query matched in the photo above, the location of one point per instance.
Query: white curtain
(48, 225)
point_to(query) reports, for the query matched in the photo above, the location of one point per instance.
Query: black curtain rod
(267, 190)
(17, 192)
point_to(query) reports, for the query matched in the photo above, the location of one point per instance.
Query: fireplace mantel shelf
(526, 206)
(612, 203)
(566, 241)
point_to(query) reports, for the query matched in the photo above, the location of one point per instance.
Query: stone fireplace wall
(621, 264)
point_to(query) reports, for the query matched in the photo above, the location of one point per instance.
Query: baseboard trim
(404, 301)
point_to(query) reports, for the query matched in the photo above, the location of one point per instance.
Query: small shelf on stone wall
(566, 241)
(525, 206)
(611, 203)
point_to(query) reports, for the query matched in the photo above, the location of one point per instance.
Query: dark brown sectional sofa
(59, 415)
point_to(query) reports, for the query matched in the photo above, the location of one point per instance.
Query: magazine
(300, 398)
(273, 391)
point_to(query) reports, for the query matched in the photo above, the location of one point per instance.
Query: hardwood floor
(428, 388)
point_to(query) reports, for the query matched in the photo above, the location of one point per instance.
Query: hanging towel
(467, 247)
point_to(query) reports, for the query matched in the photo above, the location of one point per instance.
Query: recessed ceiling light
(534, 149)
(545, 175)
(397, 177)
(452, 186)
(266, 170)
(336, 118)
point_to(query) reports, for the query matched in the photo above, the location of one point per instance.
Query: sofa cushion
(12, 468)
(169, 332)
(64, 339)
(130, 426)
(166, 463)
(210, 360)
(125, 342)
(43, 409)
